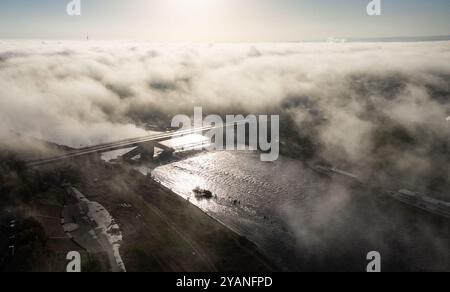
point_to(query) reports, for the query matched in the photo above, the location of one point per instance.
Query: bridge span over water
(145, 145)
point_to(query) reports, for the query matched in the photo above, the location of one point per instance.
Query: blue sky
(222, 20)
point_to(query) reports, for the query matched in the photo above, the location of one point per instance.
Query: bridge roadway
(127, 143)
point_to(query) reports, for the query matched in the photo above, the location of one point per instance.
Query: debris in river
(202, 194)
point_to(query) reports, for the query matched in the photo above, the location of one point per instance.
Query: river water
(253, 198)
(299, 218)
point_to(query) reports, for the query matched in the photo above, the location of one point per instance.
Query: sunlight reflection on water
(251, 197)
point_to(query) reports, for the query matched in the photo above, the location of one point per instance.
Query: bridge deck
(127, 143)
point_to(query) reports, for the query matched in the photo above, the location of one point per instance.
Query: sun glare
(191, 5)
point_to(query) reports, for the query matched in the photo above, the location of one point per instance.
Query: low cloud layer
(379, 110)
(364, 105)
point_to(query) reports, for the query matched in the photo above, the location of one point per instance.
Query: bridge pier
(147, 151)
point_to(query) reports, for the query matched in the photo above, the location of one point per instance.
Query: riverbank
(91, 226)
(162, 231)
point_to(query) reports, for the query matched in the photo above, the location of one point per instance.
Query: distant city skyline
(223, 20)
